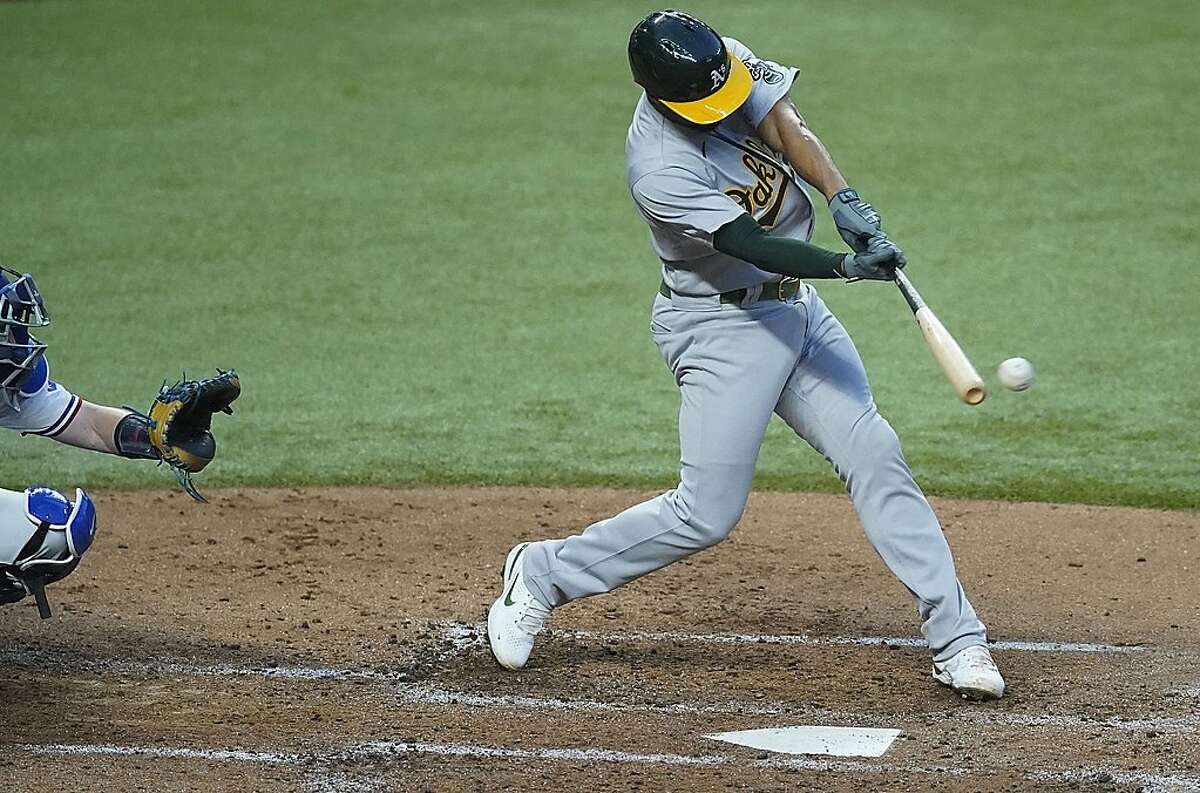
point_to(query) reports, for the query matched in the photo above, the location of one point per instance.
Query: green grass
(406, 224)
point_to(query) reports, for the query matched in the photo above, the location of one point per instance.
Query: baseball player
(43, 534)
(718, 160)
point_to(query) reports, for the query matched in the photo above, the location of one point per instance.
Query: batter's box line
(372, 753)
(1191, 692)
(425, 694)
(467, 637)
(428, 694)
(461, 636)
(407, 691)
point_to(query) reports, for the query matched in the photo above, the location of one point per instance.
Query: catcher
(43, 534)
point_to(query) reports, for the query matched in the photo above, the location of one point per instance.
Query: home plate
(836, 741)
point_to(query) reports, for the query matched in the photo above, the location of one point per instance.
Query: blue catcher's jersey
(40, 406)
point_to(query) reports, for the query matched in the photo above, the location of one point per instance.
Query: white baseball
(1016, 374)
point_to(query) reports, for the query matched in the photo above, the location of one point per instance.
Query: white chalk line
(426, 694)
(463, 635)
(324, 780)
(367, 752)
(1165, 724)
(804, 640)
(429, 695)
(372, 752)
(460, 637)
(1192, 692)
(364, 750)
(163, 752)
(1147, 781)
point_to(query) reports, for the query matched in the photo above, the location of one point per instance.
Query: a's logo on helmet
(718, 76)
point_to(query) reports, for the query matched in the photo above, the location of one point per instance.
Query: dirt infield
(328, 640)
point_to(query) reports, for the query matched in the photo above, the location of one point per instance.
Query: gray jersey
(687, 183)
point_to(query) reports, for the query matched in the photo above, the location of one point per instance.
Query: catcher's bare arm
(176, 431)
(95, 428)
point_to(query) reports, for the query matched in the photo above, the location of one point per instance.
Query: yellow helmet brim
(723, 102)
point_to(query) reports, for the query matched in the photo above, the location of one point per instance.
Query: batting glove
(856, 220)
(879, 262)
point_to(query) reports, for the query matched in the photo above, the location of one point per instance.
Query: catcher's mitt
(180, 419)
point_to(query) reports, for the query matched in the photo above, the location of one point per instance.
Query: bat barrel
(950, 357)
(973, 393)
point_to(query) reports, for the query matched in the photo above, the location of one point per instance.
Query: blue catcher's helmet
(21, 308)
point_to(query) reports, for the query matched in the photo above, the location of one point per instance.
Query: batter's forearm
(813, 163)
(744, 239)
(784, 130)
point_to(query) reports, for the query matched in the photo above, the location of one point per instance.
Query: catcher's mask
(21, 308)
(686, 69)
(42, 538)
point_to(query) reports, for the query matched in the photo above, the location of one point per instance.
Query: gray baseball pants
(735, 365)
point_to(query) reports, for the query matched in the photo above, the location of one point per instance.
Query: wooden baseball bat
(954, 362)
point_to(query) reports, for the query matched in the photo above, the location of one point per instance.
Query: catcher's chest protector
(42, 538)
(16, 529)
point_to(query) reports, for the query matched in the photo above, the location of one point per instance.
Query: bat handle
(910, 293)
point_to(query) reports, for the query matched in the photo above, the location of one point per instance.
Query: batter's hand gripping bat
(958, 369)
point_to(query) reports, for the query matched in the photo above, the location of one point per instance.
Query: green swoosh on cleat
(508, 595)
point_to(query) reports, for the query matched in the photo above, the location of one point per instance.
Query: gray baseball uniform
(735, 364)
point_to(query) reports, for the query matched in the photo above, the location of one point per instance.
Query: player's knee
(714, 526)
(877, 438)
(43, 535)
(872, 449)
(711, 516)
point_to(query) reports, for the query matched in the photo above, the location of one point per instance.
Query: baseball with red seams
(1016, 374)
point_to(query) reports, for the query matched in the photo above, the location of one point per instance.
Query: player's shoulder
(37, 380)
(32, 387)
(737, 48)
(763, 71)
(39, 405)
(653, 144)
(770, 82)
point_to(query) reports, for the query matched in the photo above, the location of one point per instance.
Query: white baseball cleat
(972, 673)
(516, 617)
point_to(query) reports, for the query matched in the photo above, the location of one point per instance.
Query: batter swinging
(718, 159)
